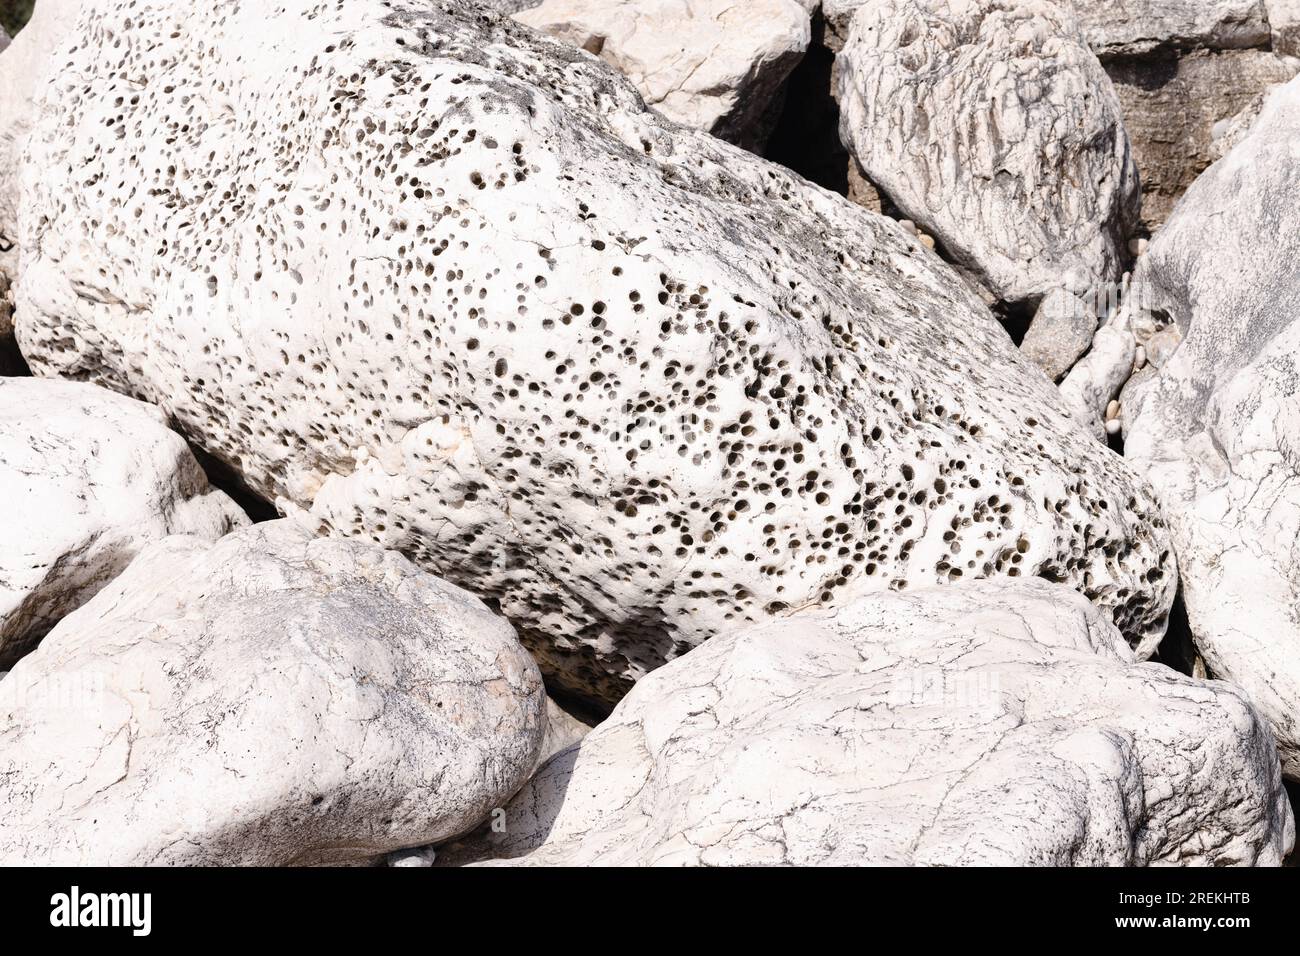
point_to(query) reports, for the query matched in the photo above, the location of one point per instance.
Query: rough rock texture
(90, 477)
(448, 285)
(1096, 380)
(1229, 132)
(994, 127)
(714, 65)
(1284, 24)
(270, 699)
(1217, 430)
(1173, 102)
(23, 69)
(978, 724)
(1129, 27)
(1061, 332)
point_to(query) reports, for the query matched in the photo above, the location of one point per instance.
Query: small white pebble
(1138, 246)
(1112, 410)
(927, 241)
(1140, 357)
(908, 225)
(1112, 427)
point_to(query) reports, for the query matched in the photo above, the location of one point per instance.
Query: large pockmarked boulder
(89, 477)
(1218, 429)
(993, 126)
(714, 65)
(270, 699)
(450, 286)
(987, 723)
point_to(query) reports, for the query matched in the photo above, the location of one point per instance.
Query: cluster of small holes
(695, 392)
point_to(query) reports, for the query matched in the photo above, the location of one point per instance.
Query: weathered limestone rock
(994, 127)
(1096, 380)
(1060, 334)
(270, 699)
(91, 477)
(448, 285)
(1173, 101)
(1133, 27)
(1284, 24)
(977, 724)
(1217, 430)
(714, 65)
(23, 73)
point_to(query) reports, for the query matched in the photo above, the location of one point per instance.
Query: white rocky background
(608, 432)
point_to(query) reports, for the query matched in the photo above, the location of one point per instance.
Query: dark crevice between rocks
(1177, 650)
(12, 363)
(1016, 317)
(584, 710)
(225, 478)
(806, 138)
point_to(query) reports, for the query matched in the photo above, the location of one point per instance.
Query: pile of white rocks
(556, 385)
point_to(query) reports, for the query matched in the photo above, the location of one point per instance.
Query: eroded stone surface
(1172, 104)
(993, 126)
(270, 699)
(1130, 27)
(978, 724)
(1060, 333)
(1217, 429)
(91, 477)
(714, 65)
(449, 286)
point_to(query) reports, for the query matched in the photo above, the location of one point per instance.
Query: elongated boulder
(270, 699)
(989, 723)
(448, 285)
(1135, 27)
(90, 478)
(1217, 429)
(993, 126)
(714, 65)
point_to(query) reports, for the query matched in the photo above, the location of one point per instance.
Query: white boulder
(270, 699)
(439, 282)
(714, 65)
(993, 723)
(91, 477)
(1218, 429)
(992, 126)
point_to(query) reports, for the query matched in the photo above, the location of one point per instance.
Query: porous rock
(91, 477)
(989, 723)
(993, 126)
(270, 699)
(713, 65)
(459, 292)
(1217, 430)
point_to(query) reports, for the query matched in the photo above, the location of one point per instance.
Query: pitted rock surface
(440, 283)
